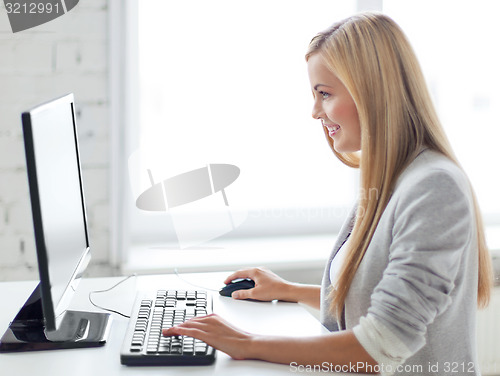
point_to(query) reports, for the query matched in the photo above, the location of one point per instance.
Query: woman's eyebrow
(318, 85)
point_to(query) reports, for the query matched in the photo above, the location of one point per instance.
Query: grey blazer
(419, 273)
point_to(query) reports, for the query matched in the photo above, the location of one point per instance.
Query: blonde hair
(370, 54)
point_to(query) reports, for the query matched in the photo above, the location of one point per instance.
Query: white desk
(277, 318)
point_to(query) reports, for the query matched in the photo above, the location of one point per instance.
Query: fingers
(191, 328)
(182, 331)
(243, 273)
(252, 273)
(243, 294)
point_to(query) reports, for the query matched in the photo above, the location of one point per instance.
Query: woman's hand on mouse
(268, 286)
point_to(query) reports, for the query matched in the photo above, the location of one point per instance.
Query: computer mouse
(237, 284)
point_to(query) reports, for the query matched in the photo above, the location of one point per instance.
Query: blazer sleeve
(433, 227)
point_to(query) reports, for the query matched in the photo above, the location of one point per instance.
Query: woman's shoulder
(431, 168)
(433, 181)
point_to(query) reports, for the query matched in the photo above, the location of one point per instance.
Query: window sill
(281, 254)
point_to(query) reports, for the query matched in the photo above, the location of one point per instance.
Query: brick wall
(68, 54)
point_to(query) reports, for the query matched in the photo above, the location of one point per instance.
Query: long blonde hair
(370, 54)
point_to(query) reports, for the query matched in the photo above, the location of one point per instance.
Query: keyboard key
(188, 350)
(200, 348)
(164, 350)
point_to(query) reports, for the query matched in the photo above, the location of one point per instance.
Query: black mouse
(237, 284)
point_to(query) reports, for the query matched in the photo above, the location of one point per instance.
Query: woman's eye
(324, 95)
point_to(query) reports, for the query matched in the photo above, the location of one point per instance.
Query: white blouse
(337, 262)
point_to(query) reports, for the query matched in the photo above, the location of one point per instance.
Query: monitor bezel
(52, 310)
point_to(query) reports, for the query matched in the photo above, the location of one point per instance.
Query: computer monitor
(61, 235)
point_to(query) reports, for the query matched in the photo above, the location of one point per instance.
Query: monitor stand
(77, 329)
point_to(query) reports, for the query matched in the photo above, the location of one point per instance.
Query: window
(225, 82)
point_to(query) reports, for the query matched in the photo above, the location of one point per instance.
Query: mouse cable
(191, 283)
(109, 289)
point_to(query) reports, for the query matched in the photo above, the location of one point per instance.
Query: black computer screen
(57, 201)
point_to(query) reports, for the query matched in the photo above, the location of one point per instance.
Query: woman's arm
(333, 349)
(269, 286)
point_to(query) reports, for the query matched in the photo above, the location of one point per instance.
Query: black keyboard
(144, 343)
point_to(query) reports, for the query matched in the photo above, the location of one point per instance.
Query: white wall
(68, 54)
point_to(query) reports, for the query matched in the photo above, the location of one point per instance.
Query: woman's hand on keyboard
(216, 332)
(268, 286)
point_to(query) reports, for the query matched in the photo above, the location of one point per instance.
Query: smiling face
(334, 106)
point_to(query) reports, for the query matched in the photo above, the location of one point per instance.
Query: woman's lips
(332, 129)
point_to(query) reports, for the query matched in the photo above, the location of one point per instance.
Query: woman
(410, 265)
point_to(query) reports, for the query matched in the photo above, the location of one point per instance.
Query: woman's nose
(316, 113)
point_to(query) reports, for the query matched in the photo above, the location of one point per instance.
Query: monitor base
(77, 330)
